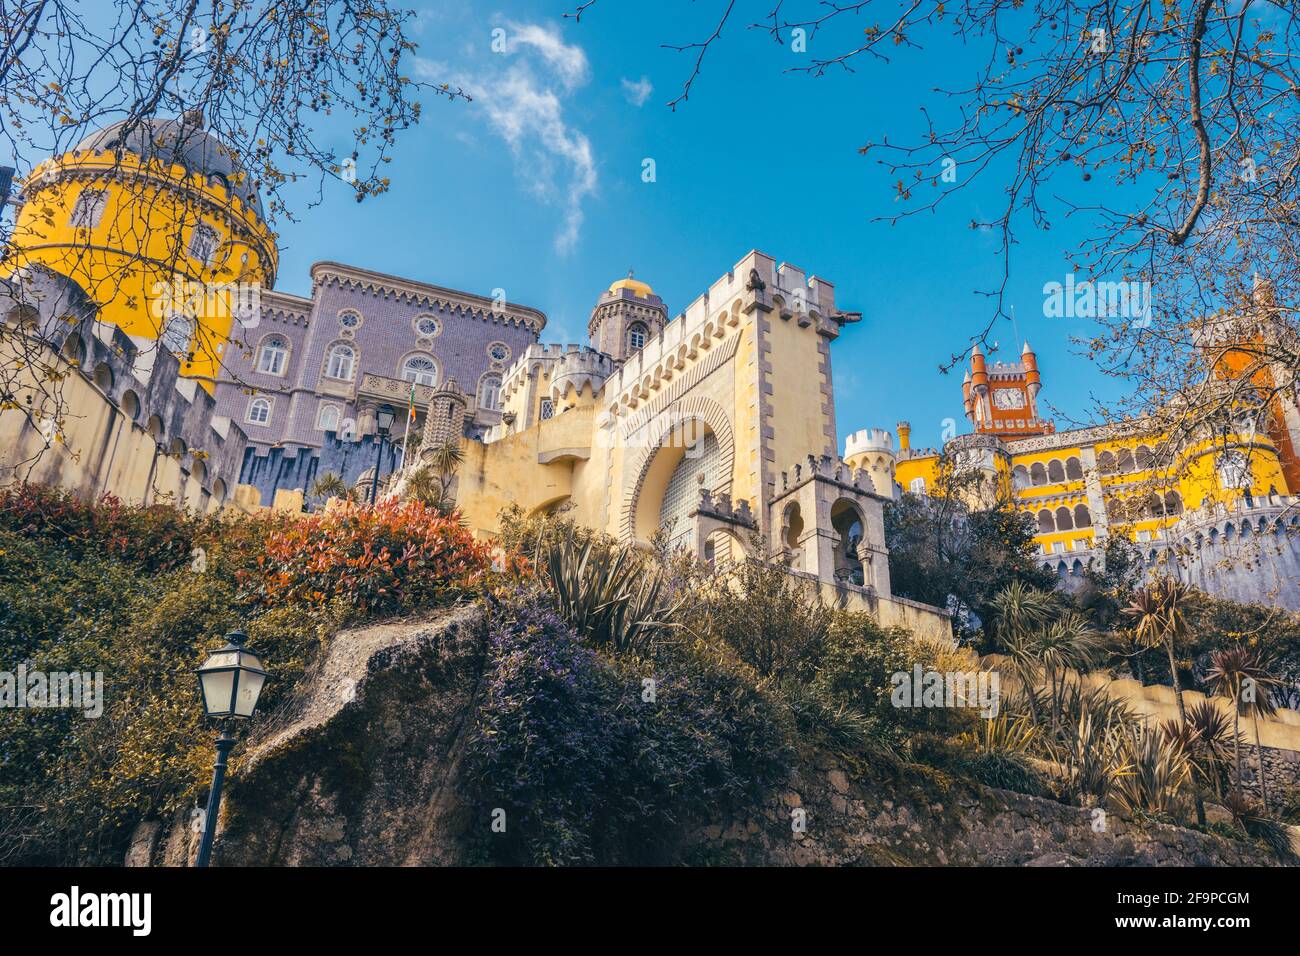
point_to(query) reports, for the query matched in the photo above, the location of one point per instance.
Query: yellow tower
(161, 228)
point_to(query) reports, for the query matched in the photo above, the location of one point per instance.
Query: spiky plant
(1069, 643)
(1158, 775)
(608, 594)
(1207, 739)
(1243, 676)
(1006, 732)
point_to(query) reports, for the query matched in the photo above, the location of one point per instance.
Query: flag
(411, 406)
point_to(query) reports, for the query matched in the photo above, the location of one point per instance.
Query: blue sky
(536, 188)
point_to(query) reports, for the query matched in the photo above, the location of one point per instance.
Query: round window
(349, 320)
(498, 352)
(426, 325)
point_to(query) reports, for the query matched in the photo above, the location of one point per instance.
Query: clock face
(1008, 398)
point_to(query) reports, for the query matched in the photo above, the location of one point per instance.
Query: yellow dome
(635, 286)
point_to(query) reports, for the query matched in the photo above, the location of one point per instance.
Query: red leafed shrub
(389, 559)
(155, 537)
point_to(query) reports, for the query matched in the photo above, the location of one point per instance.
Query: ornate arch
(694, 407)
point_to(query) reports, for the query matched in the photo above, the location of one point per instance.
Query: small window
(204, 243)
(349, 319)
(916, 486)
(548, 409)
(636, 336)
(427, 326)
(177, 334)
(259, 411)
(342, 362)
(420, 369)
(88, 209)
(327, 420)
(273, 356)
(489, 392)
(498, 351)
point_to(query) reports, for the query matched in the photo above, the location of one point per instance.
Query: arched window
(259, 411)
(636, 336)
(1082, 516)
(1073, 470)
(489, 391)
(1124, 461)
(273, 355)
(1055, 472)
(1064, 520)
(1173, 503)
(1106, 463)
(327, 419)
(916, 486)
(177, 334)
(1142, 458)
(204, 243)
(1020, 476)
(420, 369)
(1045, 523)
(1037, 473)
(342, 362)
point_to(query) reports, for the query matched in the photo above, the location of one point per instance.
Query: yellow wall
(131, 262)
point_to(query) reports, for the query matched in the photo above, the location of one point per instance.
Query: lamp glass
(385, 417)
(250, 688)
(217, 688)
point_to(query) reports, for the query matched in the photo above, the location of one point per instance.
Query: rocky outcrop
(364, 767)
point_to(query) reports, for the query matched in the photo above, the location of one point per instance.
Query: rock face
(364, 768)
(363, 771)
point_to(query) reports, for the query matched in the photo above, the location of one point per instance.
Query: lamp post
(384, 419)
(230, 681)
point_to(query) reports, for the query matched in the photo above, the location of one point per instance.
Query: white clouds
(569, 63)
(637, 92)
(522, 92)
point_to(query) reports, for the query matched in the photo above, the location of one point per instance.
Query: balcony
(395, 391)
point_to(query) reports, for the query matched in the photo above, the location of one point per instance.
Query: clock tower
(1002, 399)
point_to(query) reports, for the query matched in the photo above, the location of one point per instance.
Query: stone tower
(628, 315)
(446, 416)
(162, 227)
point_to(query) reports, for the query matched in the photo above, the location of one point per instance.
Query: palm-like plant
(1021, 613)
(1066, 644)
(430, 483)
(1243, 676)
(330, 485)
(1207, 740)
(1159, 619)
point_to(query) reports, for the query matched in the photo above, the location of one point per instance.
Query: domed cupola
(627, 316)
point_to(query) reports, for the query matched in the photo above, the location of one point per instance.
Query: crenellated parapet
(580, 368)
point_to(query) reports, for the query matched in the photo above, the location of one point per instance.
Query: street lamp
(384, 419)
(230, 682)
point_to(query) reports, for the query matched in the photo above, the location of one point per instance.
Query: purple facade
(310, 375)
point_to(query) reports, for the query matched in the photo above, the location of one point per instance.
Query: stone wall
(851, 818)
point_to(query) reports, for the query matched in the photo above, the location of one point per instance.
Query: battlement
(826, 468)
(581, 367)
(867, 440)
(721, 507)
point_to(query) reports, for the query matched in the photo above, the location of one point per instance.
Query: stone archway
(653, 464)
